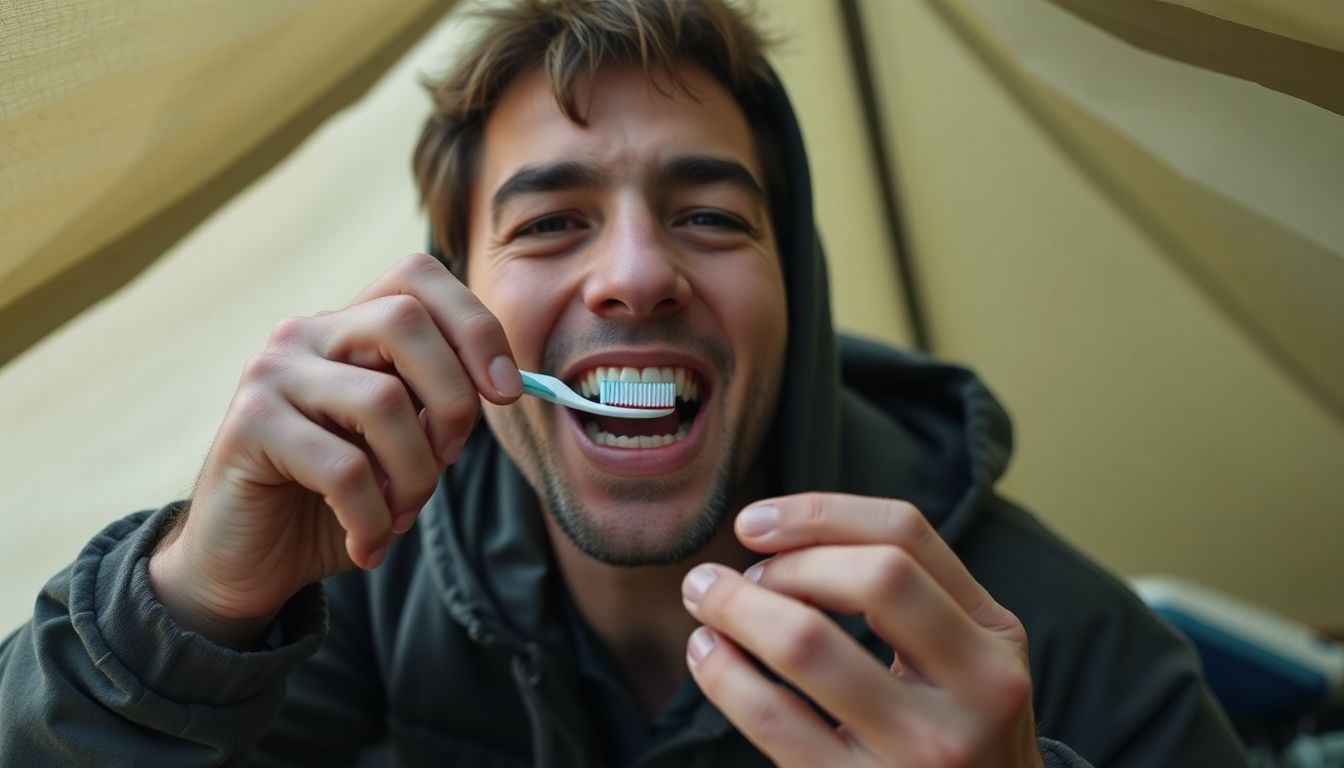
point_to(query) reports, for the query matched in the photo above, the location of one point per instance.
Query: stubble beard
(640, 500)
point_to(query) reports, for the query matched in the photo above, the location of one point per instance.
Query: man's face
(643, 241)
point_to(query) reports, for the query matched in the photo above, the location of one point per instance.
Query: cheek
(527, 304)
(751, 308)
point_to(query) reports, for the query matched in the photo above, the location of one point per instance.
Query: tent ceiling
(125, 122)
(1242, 186)
(1285, 46)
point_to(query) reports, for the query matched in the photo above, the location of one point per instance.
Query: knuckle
(462, 402)
(893, 572)
(385, 395)
(405, 314)
(262, 366)
(1006, 626)
(950, 751)
(251, 405)
(476, 322)
(802, 644)
(767, 718)
(459, 409)
(348, 470)
(904, 521)
(1007, 691)
(250, 409)
(288, 331)
(418, 265)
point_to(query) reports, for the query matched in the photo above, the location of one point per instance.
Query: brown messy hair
(570, 39)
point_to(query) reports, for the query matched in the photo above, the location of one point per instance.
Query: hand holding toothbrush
(335, 438)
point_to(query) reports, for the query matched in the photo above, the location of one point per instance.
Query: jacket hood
(882, 423)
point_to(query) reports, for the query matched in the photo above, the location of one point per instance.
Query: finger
(804, 647)
(766, 713)
(902, 604)
(376, 408)
(309, 455)
(397, 332)
(792, 522)
(471, 329)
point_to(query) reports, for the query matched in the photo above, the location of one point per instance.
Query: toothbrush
(655, 398)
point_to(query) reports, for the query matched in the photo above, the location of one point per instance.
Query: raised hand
(334, 440)
(959, 691)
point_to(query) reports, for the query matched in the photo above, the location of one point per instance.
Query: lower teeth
(634, 441)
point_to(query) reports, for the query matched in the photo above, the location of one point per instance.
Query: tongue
(663, 425)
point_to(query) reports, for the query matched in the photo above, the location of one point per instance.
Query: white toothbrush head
(552, 389)
(638, 394)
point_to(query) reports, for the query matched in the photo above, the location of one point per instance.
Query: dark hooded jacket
(458, 651)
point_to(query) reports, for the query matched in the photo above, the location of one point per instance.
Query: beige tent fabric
(1243, 187)
(1318, 22)
(124, 122)
(1287, 46)
(1058, 185)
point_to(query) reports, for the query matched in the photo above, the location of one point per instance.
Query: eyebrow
(681, 170)
(546, 177)
(701, 170)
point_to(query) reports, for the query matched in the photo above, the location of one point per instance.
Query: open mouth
(641, 433)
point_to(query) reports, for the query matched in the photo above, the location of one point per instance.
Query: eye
(715, 220)
(547, 225)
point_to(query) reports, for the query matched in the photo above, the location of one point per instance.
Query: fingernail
(403, 522)
(697, 581)
(504, 376)
(702, 642)
(753, 574)
(757, 521)
(374, 560)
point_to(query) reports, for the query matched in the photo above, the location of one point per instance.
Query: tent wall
(125, 122)
(814, 62)
(1155, 430)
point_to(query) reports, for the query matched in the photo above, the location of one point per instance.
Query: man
(614, 185)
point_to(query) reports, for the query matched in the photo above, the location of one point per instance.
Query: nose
(635, 272)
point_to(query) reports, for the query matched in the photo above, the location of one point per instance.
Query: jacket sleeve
(102, 675)
(335, 709)
(1056, 755)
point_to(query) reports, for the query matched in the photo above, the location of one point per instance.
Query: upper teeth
(590, 383)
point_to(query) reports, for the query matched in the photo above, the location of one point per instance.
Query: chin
(644, 522)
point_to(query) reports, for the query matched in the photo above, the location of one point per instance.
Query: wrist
(174, 585)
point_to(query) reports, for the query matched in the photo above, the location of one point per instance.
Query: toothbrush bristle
(638, 394)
